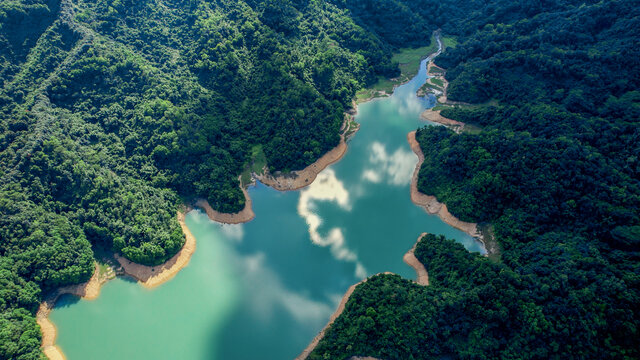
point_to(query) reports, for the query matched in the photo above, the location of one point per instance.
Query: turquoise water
(265, 288)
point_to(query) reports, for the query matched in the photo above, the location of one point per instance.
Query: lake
(264, 289)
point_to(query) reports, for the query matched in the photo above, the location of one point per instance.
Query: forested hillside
(555, 168)
(116, 112)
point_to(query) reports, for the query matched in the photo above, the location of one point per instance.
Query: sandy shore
(436, 117)
(88, 290)
(149, 276)
(152, 276)
(301, 178)
(305, 353)
(245, 215)
(422, 276)
(430, 203)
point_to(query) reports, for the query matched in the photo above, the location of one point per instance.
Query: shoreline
(243, 216)
(152, 276)
(90, 290)
(345, 298)
(431, 204)
(316, 340)
(298, 179)
(409, 258)
(422, 278)
(147, 275)
(436, 117)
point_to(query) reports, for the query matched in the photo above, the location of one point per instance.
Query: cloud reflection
(233, 231)
(397, 168)
(268, 293)
(407, 105)
(327, 187)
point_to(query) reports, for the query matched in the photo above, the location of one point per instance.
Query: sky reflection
(396, 168)
(327, 187)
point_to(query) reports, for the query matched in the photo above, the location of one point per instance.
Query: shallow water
(264, 289)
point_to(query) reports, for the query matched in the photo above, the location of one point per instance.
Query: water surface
(264, 289)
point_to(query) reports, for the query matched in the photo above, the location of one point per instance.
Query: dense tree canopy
(115, 112)
(555, 169)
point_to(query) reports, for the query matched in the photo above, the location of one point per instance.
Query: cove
(264, 289)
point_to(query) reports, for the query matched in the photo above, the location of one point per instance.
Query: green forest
(554, 168)
(115, 113)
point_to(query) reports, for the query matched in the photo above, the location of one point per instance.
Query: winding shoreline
(243, 216)
(432, 206)
(422, 276)
(435, 115)
(152, 276)
(301, 178)
(345, 298)
(431, 203)
(90, 290)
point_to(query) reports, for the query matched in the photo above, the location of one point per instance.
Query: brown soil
(430, 203)
(88, 290)
(152, 276)
(305, 353)
(422, 276)
(243, 216)
(436, 117)
(301, 178)
(147, 275)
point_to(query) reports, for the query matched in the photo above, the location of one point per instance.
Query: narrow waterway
(262, 290)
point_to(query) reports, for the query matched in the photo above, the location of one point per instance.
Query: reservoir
(264, 289)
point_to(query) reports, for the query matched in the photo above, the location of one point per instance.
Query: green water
(263, 290)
